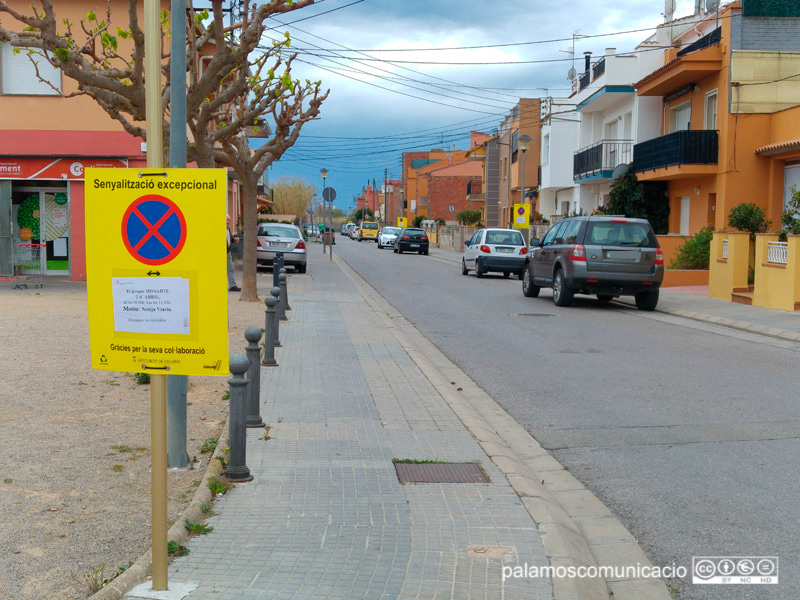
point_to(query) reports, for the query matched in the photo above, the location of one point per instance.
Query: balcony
(598, 161)
(475, 192)
(669, 155)
(599, 68)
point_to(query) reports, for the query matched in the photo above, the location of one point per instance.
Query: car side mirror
(535, 242)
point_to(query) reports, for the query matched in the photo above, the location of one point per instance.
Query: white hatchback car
(281, 237)
(387, 236)
(499, 250)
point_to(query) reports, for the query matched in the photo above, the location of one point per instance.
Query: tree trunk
(249, 290)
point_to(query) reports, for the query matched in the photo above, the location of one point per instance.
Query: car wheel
(529, 289)
(647, 300)
(478, 269)
(506, 274)
(464, 270)
(394, 250)
(301, 268)
(425, 253)
(399, 250)
(421, 252)
(562, 293)
(605, 297)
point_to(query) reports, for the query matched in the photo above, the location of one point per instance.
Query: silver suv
(603, 256)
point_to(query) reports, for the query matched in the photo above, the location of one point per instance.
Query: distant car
(308, 229)
(280, 237)
(387, 236)
(368, 231)
(411, 239)
(499, 250)
(602, 256)
(354, 232)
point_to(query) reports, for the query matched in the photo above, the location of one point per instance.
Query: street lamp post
(524, 142)
(403, 198)
(324, 173)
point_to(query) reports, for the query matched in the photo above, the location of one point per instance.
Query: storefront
(41, 202)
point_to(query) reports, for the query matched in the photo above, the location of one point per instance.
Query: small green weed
(206, 508)
(218, 486)
(197, 528)
(209, 445)
(175, 549)
(226, 395)
(266, 437)
(415, 461)
(94, 579)
(117, 468)
(7, 480)
(142, 378)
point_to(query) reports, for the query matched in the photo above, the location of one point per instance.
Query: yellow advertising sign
(156, 274)
(522, 216)
(402, 222)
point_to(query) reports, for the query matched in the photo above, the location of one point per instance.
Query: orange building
(46, 142)
(730, 120)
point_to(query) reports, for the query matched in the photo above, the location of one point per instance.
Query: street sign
(329, 194)
(522, 216)
(402, 222)
(156, 270)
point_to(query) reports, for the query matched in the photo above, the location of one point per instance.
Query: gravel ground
(75, 483)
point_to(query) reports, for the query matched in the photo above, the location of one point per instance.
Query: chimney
(611, 51)
(587, 57)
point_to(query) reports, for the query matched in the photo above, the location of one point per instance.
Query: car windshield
(415, 233)
(369, 226)
(512, 238)
(390, 230)
(610, 233)
(277, 231)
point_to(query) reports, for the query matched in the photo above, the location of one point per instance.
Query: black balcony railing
(583, 80)
(704, 42)
(678, 148)
(474, 187)
(599, 68)
(603, 156)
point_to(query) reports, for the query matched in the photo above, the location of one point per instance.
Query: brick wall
(444, 191)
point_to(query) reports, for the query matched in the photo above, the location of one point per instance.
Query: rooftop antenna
(572, 73)
(669, 11)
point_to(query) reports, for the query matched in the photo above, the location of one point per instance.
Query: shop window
(18, 73)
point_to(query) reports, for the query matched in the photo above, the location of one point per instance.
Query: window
(514, 146)
(558, 238)
(278, 231)
(548, 239)
(571, 232)
(18, 74)
(711, 110)
(609, 233)
(512, 238)
(546, 149)
(680, 117)
(685, 206)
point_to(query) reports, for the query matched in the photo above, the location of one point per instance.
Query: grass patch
(117, 468)
(197, 528)
(206, 508)
(209, 445)
(226, 395)
(142, 378)
(175, 549)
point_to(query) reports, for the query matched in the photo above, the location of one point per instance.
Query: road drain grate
(440, 473)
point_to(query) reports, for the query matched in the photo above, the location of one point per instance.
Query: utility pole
(385, 212)
(374, 189)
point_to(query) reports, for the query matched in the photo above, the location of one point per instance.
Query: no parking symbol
(153, 229)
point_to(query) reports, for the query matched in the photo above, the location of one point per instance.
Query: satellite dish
(620, 171)
(572, 74)
(712, 5)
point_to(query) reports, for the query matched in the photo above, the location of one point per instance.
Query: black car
(412, 240)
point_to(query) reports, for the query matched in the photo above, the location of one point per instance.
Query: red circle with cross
(153, 229)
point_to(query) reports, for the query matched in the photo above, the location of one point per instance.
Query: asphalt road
(688, 432)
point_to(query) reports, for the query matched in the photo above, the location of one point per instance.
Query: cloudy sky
(381, 106)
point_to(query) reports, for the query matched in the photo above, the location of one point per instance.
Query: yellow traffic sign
(402, 222)
(522, 216)
(156, 270)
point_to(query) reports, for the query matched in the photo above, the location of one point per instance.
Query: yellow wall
(764, 69)
(730, 273)
(776, 285)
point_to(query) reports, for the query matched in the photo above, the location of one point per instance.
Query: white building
(560, 130)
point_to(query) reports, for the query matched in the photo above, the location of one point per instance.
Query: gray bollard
(268, 359)
(237, 434)
(276, 339)
(286, 291)
(277, 263)
(253, 335)
(282, 300)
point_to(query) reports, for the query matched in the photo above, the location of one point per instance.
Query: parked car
(411, 239)
(499, 250)
(354, 232)
(280, 237)
(368, 231)
(348, 229)
(387, 236)
(603, 256)
(308, 229)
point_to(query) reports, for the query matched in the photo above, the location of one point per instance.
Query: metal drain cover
(440, 473)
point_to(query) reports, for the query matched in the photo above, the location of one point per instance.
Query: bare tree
(229, 92)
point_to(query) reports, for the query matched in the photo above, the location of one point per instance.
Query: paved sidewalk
(689, 303)
(325, 516)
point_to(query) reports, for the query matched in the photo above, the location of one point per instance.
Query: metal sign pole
(158, 383)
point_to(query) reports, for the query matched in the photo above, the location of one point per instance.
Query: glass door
(55, 209)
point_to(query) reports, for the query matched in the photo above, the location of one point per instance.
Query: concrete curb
(576, 528)
(746, 326)
(140, 570)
